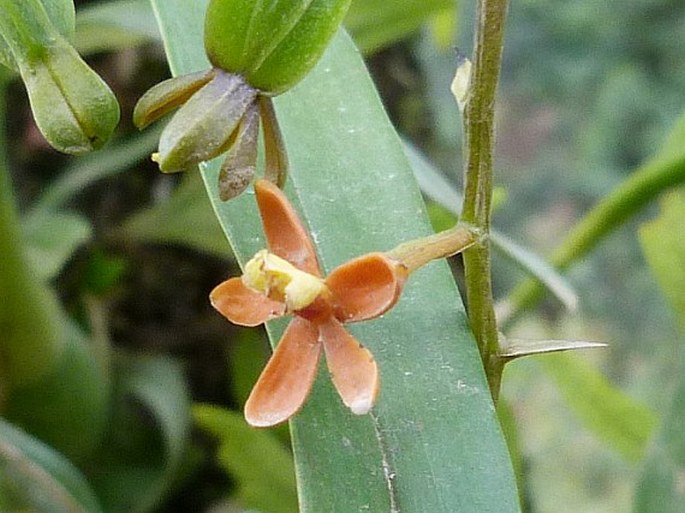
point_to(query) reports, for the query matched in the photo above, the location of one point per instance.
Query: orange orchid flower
(287, 279)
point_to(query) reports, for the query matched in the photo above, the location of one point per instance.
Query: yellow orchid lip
(282, 281)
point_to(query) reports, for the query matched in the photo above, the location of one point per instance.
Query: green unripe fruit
(272, 43)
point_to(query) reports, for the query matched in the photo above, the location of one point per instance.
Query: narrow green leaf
(660, 486)
(68, 406)
(611, 415)
(433, 442)
(438, 188)
(257, 460)
(34, 477)
(664, 246)
(140, 458)
(185, 218)
(87, 170)
(675, 141)
(52, 238)
(378, 23)
(516, 348)
(114, 25)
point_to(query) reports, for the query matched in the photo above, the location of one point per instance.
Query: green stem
(614, 210)
(479, 144)
(30, 332)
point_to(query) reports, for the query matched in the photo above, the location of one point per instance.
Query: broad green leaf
(660, 486)
(114, 25)
(378, 23)
(147, 435)
(185, 218)
(675, 141)
(664, 246)
(51, 239)
(432, 443)
(36, 478)
(256, 459)
(67, 407)
(615, 418)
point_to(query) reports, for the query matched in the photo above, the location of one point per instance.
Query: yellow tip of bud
(282, 281)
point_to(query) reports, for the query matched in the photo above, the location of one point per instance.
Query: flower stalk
(478, 181)
(419, 252)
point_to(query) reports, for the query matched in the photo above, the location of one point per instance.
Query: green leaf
(36, 478)
(660, 487)
(147, 435)
(438, 188)
(257, 460)
(68, 406)
(432, 442)
(674, 145)
(664, 247)
(114, 25)
(52, 238)
(378, 23)
(87, 170)
(617, 419)
(62, 15)
(185, 218)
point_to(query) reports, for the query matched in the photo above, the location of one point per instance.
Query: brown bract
(361, 289)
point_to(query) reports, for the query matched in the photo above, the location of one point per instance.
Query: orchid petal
(285, 234)
(287, 379)
(352, 367)
(243, 306)
(365, 287)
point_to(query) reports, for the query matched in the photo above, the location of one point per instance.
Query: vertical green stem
(30, 332)
(479, 116)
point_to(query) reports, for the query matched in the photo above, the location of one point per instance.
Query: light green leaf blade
(140, 458)
(378, 23)
(614, 417)
(664, 246)
(87, 170)
(438, 188)
(114, 25)
(674, 145)
(52, 238)
(660, 487)
(256, 459)
(184, 218)
(34, 477)
(433, 442)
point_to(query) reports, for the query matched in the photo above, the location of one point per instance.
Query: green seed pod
(272, 43)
